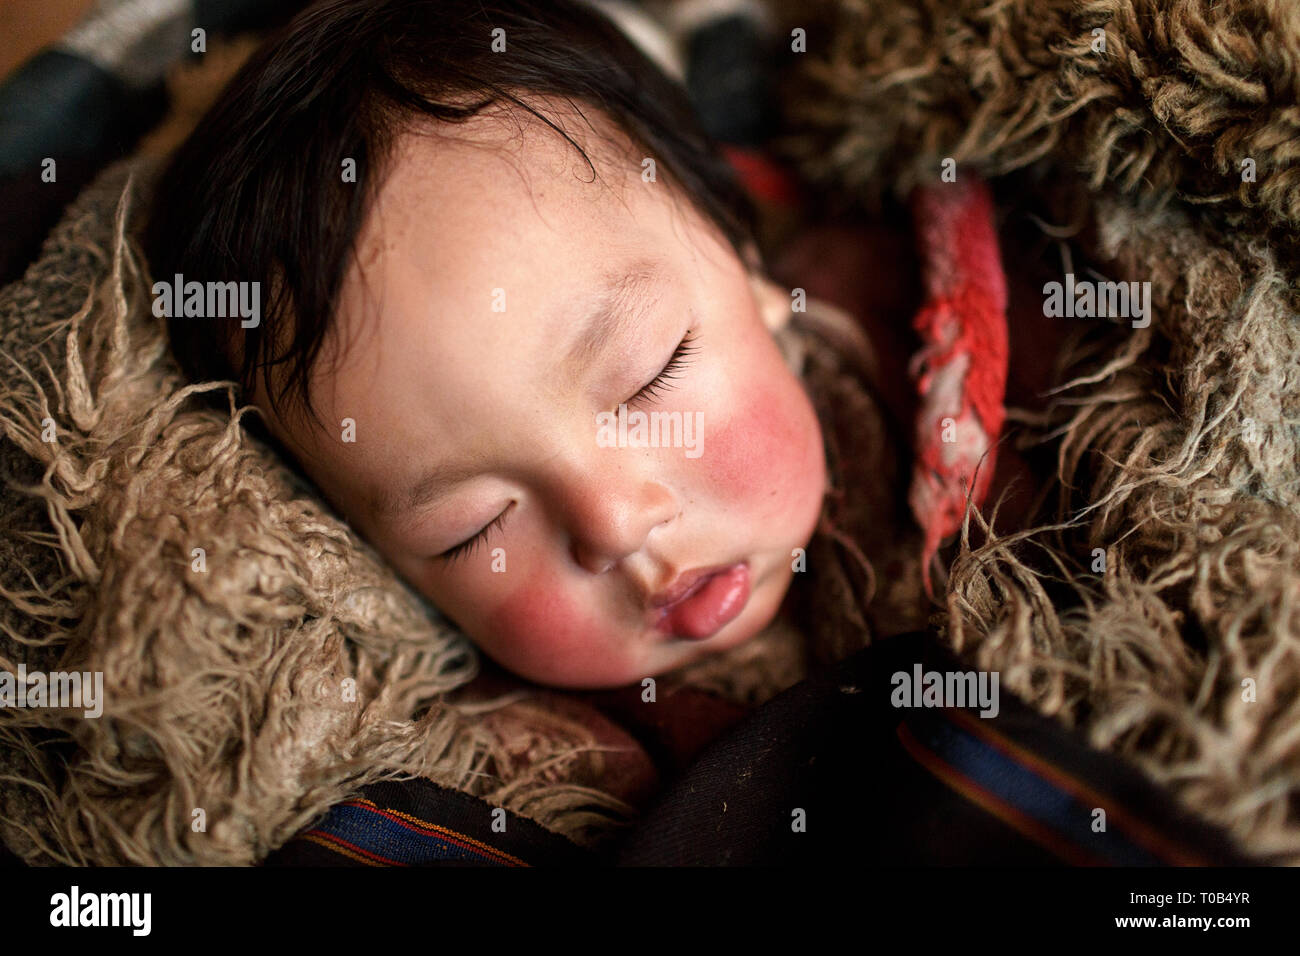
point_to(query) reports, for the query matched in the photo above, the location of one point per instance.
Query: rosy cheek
(760, 455)
(536, 606)
(542, 632)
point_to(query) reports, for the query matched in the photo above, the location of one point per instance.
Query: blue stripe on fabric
(378, 834)
(1023, 789)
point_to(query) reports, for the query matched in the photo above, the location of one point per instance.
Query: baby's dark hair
(256, 193)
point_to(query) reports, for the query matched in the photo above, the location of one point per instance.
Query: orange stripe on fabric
(424, 826)
(1013, 817)
(331, 842)
(1137, 829)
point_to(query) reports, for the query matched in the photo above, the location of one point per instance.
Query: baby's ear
(773, 301)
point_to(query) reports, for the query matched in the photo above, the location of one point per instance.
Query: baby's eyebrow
(386, 504)
(621, 303)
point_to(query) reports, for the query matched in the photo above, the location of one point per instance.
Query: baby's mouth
(701, 603)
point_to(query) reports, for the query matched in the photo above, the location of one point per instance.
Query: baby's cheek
(763, 456)
(540, 630)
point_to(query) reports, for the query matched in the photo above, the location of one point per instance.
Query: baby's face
(476, 372)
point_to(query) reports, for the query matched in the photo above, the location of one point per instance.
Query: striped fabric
(418, 823)
(1033, 795)
(373, 836)
(841, 767)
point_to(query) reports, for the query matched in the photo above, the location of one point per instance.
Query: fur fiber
(1177, 444)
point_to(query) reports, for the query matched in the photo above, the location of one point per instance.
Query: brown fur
(1178, 444)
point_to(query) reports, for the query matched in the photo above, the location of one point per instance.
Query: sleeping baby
(517, 329)
(524, 332)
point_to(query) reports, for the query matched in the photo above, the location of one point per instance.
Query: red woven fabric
(961, 370)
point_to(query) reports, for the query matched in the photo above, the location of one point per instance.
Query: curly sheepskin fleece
(1158, 608)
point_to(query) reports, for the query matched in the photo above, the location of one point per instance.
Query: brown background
(28, 25)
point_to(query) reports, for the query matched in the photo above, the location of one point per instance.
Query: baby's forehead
(584, 150)
(505, 188)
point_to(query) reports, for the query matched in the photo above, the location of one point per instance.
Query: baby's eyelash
(659, 383)
(670, 371)
(467, 547)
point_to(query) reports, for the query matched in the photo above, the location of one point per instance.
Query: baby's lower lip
(710, 607)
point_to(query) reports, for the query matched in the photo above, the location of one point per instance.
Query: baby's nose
(611, 518)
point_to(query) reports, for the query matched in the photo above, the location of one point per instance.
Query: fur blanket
(1158, 608)
(244, 699)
